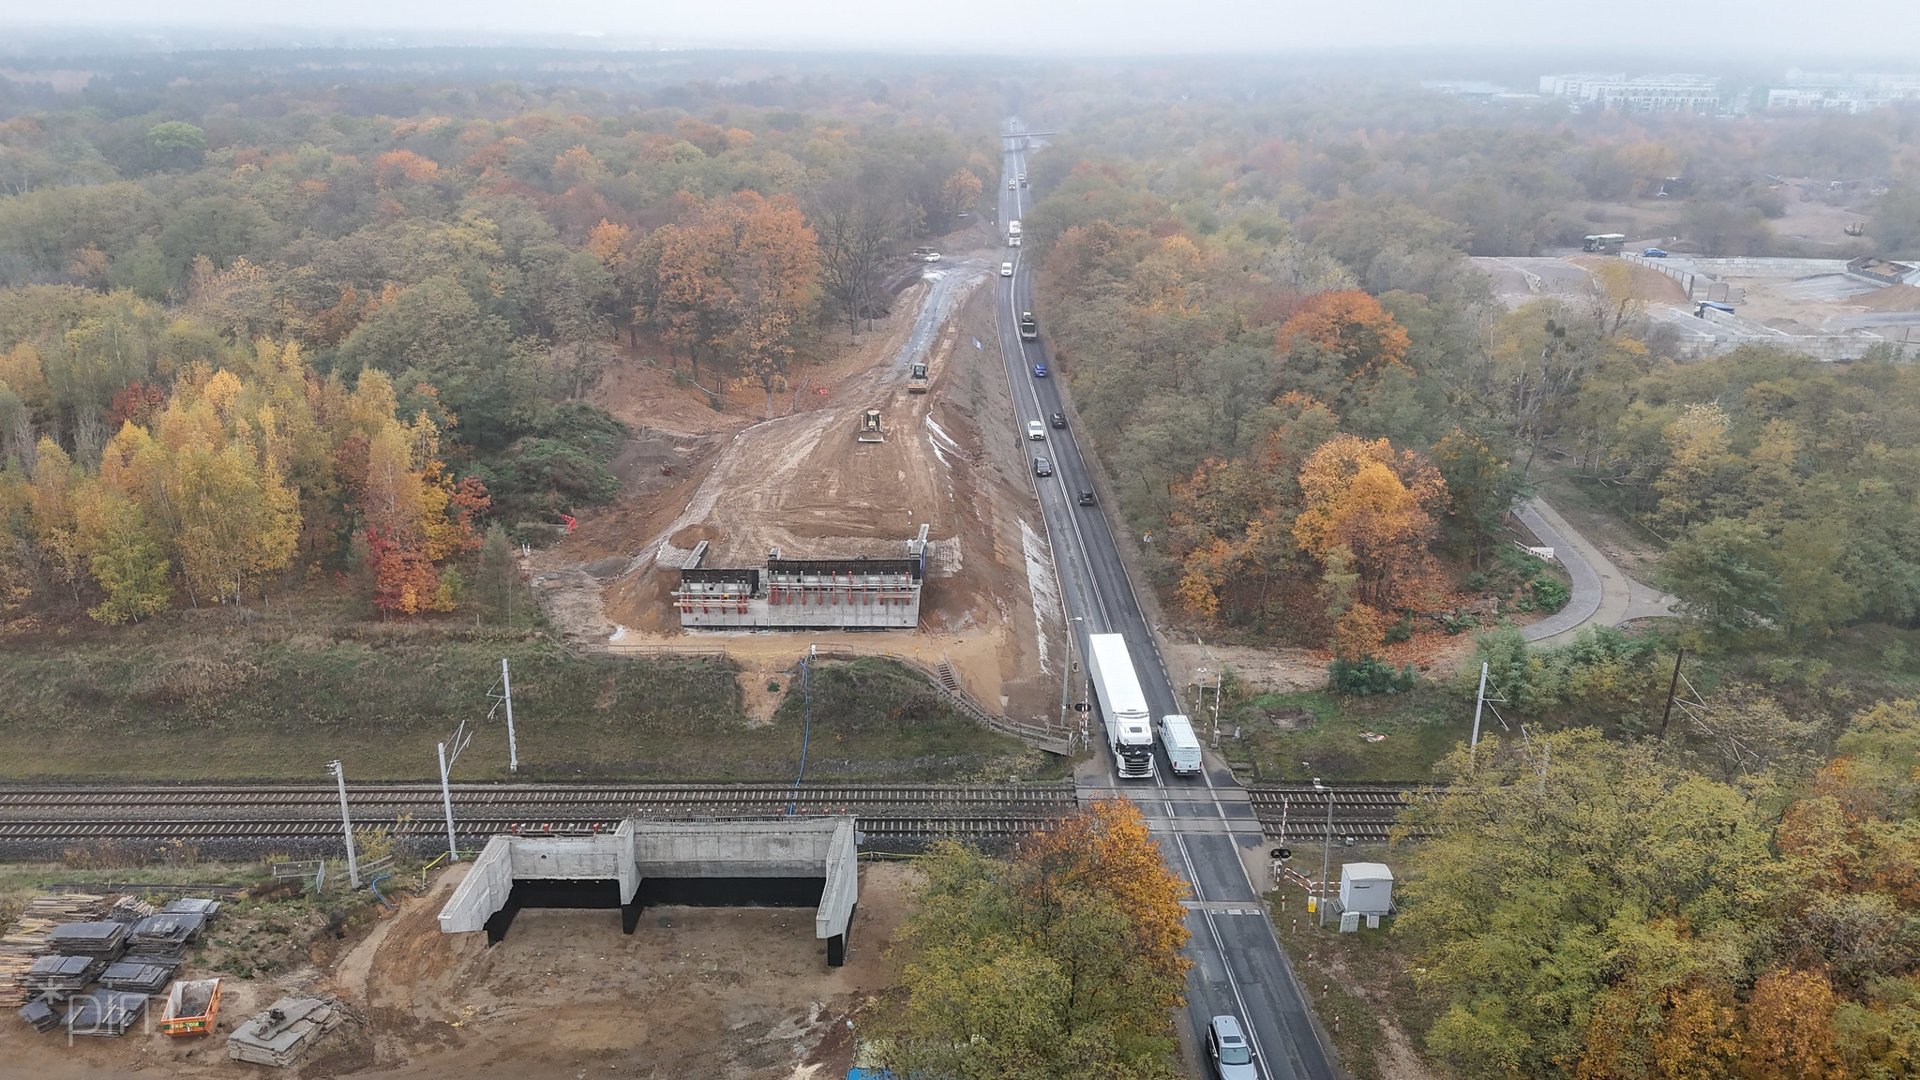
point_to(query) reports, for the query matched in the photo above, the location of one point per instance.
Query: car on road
(1023, 179)
(1086, 496)
(1036, 430)
(1041, 466)
(926, 254)
(1227, 1049)
(1010, 184)
(1006, 269)
(1058, 419)
(1039, 371)
(1653, 253)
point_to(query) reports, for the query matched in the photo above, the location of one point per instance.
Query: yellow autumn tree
(1377, 504)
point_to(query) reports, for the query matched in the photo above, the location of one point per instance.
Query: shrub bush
(1368, 676)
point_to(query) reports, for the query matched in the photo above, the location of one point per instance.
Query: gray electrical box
(1366, 888)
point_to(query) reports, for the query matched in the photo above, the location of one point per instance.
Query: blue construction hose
(374, 885)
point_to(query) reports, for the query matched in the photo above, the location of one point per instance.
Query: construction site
(885, 507)
(1829, 309)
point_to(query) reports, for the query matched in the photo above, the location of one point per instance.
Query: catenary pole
(1479, 702)
(513, 746)
(346, 824)
(446, 798)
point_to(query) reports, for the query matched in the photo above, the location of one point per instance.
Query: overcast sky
(1785, 28)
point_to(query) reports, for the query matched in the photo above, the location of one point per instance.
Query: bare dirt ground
(801, 482)
(722, 992)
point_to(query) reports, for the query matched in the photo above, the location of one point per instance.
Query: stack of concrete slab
(140, 978)
(109, 1013)
(164, 935)
(105, 940)
(27, 939)
(284, 1032)
(171, 963)
(62, 974)
(41, 1013)
(204, 906)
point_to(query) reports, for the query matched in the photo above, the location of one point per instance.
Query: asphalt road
(1204, 824)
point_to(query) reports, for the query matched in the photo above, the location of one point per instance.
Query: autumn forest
(268, 335)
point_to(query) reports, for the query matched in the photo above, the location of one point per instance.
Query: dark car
(1042, 466)
(1086, 497)
(1039, 371)
(1058, 419)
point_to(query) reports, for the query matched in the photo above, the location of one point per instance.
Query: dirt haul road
(800, 482)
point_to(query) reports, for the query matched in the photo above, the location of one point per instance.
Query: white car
(1227, 1047)
(926, 255)
(1036, 430)
(1006, 269)
(1011, 184)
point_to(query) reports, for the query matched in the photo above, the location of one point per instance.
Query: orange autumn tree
(1108, 851)
(1337, 339)
(1376, 506)
(738, 279)
(1061, 960)
(1789, 1030)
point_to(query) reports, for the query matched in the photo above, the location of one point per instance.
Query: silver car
(1227, 1048)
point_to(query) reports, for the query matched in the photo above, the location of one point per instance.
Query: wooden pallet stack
(27, 939)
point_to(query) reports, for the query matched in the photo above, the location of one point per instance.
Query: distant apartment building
(1643, 93)
(1845, 92)
(1478, 91)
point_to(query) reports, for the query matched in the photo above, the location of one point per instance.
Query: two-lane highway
(1205, 823)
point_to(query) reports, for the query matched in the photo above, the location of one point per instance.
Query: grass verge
(245, 706)
(873, 712)
(1359, 986)
(1298, 736)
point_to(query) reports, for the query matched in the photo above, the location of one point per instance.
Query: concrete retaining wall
(793, 850)
(734, 849)
(485, 889)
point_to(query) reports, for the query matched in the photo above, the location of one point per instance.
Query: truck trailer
(1013, 233)
(1183, 747)
(1122, 706)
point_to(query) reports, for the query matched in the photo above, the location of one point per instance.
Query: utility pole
(1673, 686)
(513, 746)
(346, 824)
(1326, 851)
(1066, 672)
(1219, 687)
(446, 799)
(1479, 702)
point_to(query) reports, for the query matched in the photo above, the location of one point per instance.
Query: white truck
(1013, 233)
(1183, 749)
(1122, 706)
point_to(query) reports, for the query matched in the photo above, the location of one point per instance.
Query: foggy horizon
(1764, 30)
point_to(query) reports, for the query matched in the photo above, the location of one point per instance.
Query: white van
(1183, 749)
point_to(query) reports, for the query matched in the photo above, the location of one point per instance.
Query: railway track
(16, 800)
(475, 828)
(1361, 812)
(44, 817)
